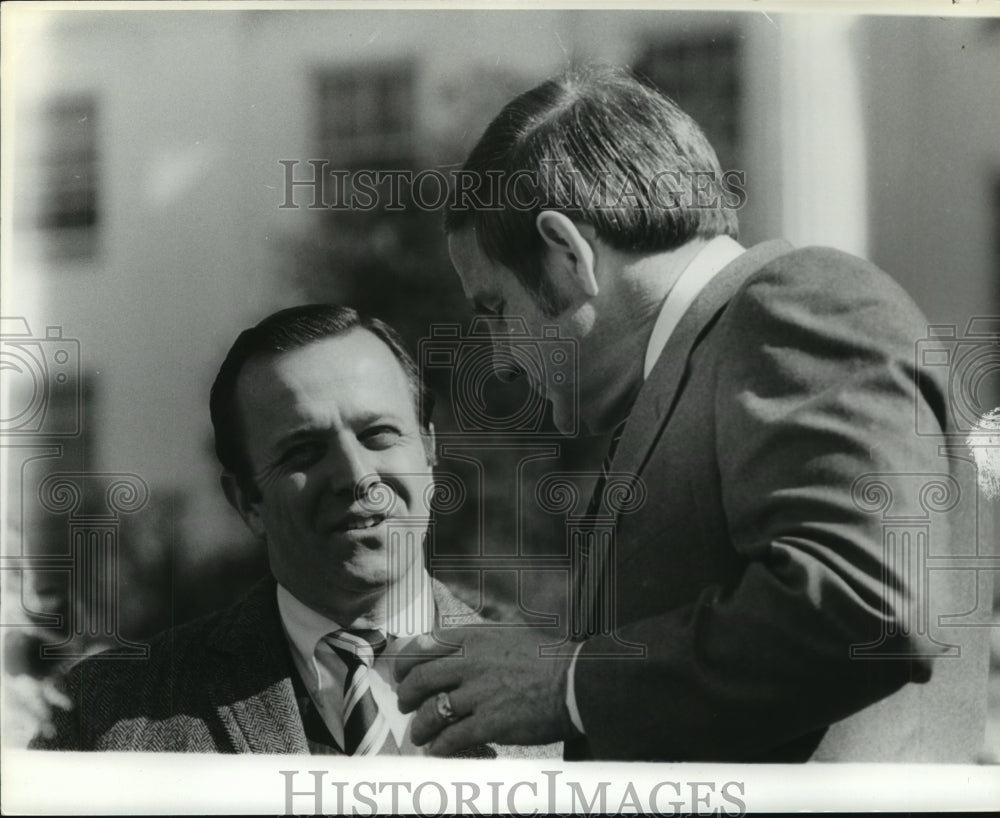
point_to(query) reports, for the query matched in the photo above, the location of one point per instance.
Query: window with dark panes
(69, 205)
(367, 116)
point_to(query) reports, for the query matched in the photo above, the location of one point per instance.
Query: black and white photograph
(598, 406)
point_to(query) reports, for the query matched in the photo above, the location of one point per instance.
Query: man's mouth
(358, 522)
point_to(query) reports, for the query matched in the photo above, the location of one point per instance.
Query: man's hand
(501, 690)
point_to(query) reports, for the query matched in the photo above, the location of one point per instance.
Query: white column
(822, 139)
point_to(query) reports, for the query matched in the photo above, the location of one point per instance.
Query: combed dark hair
(284, 331)
(559, 140)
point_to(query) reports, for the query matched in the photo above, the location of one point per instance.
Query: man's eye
(302, 454)
(380, 437)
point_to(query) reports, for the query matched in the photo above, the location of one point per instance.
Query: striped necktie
(365, 726)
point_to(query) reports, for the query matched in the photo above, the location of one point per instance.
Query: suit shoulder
(165, 650)
(834, 274)
(113, 699)
(179, 645)
(830, 291)
(171, 671)
(107, 690)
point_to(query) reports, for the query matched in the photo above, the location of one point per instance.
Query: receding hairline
(268, 357)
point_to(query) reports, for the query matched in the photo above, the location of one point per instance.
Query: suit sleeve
(815, 387)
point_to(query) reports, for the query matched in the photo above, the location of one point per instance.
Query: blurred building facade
(145, 183)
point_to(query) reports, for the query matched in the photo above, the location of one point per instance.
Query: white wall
(933, 113)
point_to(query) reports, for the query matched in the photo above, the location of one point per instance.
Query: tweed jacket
(220, 684)
(774, 614)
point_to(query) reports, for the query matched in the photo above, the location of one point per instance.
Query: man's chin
(356, 564)
(372, 568)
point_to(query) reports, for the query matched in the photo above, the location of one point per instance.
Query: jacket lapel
(250, 684)
(658, 396)
(251, 687)
(449, 610)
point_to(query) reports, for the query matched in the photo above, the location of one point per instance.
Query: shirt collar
(715, 255)
(305, 627)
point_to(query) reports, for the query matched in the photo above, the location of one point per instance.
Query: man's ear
(569, 251)
(430, 445)
(239, 500)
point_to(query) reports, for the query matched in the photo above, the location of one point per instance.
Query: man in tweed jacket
(322, 426)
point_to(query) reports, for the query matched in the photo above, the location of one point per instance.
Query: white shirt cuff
(574, 711)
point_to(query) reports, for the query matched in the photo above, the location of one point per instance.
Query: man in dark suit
(322, 425)
(762, 402)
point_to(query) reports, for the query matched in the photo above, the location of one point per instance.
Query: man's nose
(349, 467)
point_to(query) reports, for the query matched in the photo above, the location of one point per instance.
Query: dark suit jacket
(752, 569)
(222, 683)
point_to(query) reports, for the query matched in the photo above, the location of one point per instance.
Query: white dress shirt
(324, 673)
(715, 255)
